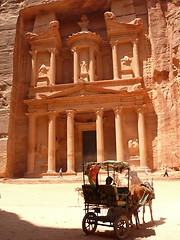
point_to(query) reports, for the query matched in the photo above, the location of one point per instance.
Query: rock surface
(162, 28)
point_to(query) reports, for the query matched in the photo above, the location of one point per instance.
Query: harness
(144, 198)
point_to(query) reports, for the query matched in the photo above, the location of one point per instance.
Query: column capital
(71, 113)
(99, 111)
(135, 40)
(33, 53)
(118, 110)
(52, 113)
(53, 50)
(140, 109)
(74, 49)
(114, 43)
(32, 114)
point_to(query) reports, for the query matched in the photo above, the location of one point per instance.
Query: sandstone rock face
(158, 64)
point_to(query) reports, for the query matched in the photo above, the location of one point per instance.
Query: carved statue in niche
(126, 66)
(43, 70)
(133, 147)
(126, 63)
(84, 72)
(83, 67)
(41, 150)
(84, 23)
(43, 73)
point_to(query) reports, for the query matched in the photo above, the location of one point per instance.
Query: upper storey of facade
(89, 45)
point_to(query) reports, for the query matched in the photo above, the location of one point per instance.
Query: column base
(29, 174)
(50, 173)
(70, 172)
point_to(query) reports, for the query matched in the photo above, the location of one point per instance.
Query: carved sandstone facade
(86, 87)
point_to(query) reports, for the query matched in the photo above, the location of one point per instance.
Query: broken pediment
(81, 89)
(50, 34)
(115, 27)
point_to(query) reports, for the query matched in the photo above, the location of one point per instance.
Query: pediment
(115, 27)
(80, 90)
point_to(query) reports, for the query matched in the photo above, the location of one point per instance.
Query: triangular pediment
(81, 89)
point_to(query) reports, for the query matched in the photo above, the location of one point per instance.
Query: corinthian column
(70, 141)
(136, 58)
(91, 65)
(119, 134)
(52, 77)
(115, 60)
(142, 137)
(76, 65)
(34, 63)
(51, 143)
(99, 135)
(31, 142)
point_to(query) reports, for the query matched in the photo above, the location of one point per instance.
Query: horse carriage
(107, 204)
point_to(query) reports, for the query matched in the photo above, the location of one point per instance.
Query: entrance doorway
(89, 146)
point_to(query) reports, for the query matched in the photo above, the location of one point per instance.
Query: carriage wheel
(121, 227)
(89, 223)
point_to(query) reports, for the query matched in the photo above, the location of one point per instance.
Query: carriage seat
(108, 195)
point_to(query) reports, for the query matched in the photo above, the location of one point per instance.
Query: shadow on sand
(12, 227)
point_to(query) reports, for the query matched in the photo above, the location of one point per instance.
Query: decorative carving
(84, 72)
(41, 150)
(126, 67)
(83, 67)
(84, 23)
(109, 15)
(118, 110)
(99, 112)
(43, 75)
(126, 63)
(137, 21)
(133, 147)
(43, 70)
(70, 113)
(136, 87)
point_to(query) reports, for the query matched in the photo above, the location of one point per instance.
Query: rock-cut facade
(88, 81)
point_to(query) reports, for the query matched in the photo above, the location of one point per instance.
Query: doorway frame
(81, 127)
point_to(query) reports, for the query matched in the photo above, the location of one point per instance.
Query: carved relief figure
(126, 63)
(133, 147)
(41, 150)
(84, 72)
(83, 67)
(43, 70)
(84, 23)
(126, 66)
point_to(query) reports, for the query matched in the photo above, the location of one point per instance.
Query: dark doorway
(89, 146)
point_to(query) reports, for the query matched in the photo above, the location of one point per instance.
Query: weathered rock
(159, 61)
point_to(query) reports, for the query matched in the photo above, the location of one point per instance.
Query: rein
(144, 198)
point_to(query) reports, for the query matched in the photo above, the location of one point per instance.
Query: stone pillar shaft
(70, 141)
(119, 134)
(52, 66)
(99, 135)
(31, 143)
(51, 143)
(91, 65)
(34, 63)
(142, 137)
(136, 58)
(76, 66)
(115, 61)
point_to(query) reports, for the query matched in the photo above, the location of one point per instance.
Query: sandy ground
(40, 211)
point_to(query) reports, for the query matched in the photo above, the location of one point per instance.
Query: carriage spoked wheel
(89, 223)
(121, 227)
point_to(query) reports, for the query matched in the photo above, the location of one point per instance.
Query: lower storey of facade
(71, 138)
